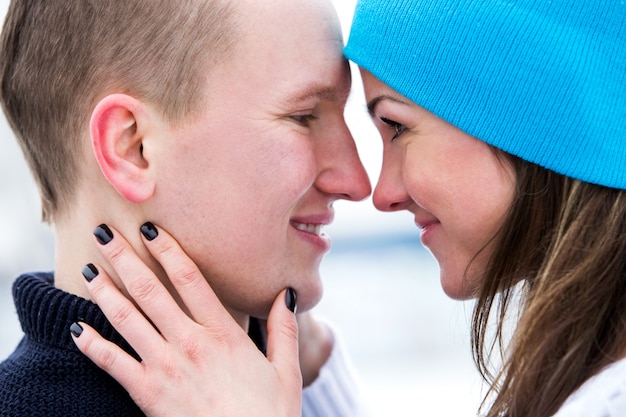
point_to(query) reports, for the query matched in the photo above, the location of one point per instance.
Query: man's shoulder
(38, 380)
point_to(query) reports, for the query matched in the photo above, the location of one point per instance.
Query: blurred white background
(409, 342)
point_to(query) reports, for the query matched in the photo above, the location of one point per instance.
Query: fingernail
(76, 329)
(149, 231)
(90, 272)
(103, 234)
(291, 299)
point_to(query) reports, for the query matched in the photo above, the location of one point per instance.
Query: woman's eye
(303, 119)
(399, 128)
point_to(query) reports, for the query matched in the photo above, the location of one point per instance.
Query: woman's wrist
(316, 345)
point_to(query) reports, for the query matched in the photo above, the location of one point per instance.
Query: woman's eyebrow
(371, 105)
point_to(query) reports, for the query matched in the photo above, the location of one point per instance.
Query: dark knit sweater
(47, 375)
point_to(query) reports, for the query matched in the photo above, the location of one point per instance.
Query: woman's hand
(197, 364)
(315, 347)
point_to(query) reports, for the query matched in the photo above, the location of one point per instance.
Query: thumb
(282, 337)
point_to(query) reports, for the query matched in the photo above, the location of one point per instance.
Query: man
(221, 121)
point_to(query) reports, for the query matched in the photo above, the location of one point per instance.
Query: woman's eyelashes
(397, 127)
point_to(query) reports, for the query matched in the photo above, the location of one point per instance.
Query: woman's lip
(426, 230)
(424, 224)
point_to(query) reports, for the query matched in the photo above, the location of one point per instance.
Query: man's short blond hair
(59, 57)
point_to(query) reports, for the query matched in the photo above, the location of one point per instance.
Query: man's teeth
(315, 229)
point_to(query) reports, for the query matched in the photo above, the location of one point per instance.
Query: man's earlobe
(116, 129)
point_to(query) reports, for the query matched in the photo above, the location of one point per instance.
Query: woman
(504, 127)
(537, 200)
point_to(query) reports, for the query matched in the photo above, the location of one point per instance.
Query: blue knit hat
(541, 79)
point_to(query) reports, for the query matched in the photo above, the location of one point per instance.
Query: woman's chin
(456, 288)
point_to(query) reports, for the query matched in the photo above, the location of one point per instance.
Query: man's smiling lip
(315, 229)
(310, 229)
(312, 224)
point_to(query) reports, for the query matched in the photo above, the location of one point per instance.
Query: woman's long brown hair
(562, 254)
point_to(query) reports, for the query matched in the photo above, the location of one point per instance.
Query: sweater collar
(46, 312)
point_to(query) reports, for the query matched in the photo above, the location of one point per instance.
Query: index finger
(196, 293)
(142, 284)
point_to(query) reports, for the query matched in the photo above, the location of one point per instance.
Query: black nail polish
(149, 231)
(291, 299)
(76, 329)
(90, 272)
(103, 234)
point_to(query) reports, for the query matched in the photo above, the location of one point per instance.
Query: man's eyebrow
(371, 105)
(325, 93)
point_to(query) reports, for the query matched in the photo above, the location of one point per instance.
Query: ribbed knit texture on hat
(543, 80)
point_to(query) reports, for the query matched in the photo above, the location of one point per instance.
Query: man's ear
(117, 127)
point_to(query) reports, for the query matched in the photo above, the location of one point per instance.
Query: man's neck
(76, 247)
